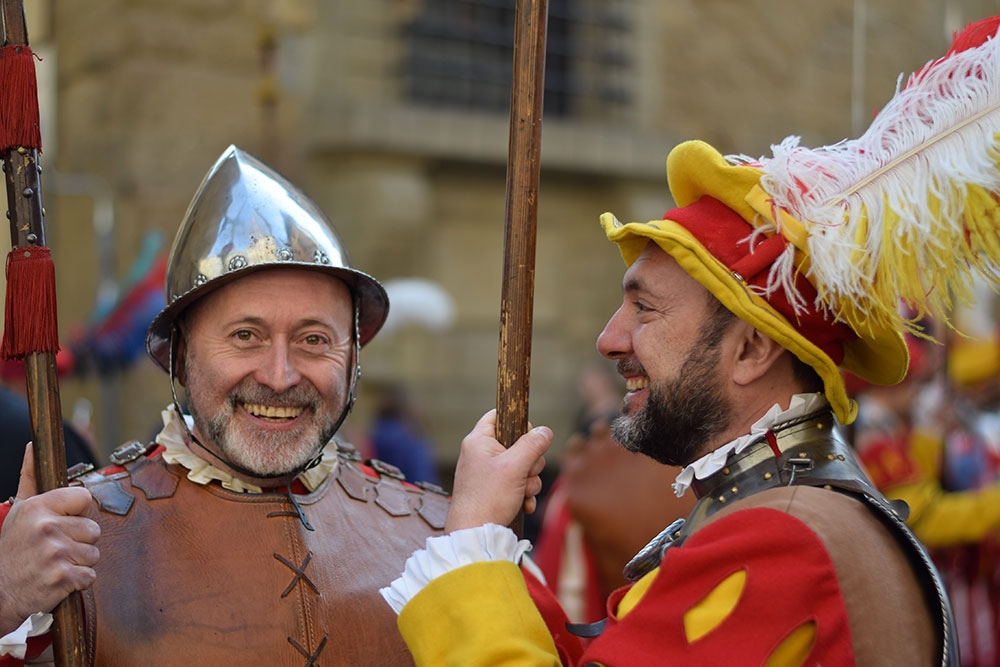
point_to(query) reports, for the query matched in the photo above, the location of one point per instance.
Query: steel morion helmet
(246, 217)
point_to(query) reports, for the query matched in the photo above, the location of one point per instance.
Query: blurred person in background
(16, 430)
(397, 437)
(933, 441)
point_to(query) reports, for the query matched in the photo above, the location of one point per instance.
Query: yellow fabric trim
(794, 649)
(714, 608)
(694, 169)
(634, 594)
(942, 518)
(790, 228)
(445, 625)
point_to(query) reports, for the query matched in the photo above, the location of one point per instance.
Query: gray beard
(267, 454)
(681, 416)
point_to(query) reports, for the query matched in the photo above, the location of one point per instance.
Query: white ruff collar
(714, 461)
(201, 471)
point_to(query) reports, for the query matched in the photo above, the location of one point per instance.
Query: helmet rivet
(319, 257)
(200, 280)
(284, 254)
(237, 262)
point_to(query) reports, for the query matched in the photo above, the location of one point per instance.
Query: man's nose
(615, 341)
(277, 369)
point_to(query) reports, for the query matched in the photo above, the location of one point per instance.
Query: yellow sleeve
(478, 615)
(942, 518)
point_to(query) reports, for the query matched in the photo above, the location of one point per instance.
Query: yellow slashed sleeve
(476, 616)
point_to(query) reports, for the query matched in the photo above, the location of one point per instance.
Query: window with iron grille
(459, 54)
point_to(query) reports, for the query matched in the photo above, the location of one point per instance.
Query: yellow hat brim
(696, 169)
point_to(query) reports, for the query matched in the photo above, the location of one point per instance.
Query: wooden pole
(24, 201)
(521, 216)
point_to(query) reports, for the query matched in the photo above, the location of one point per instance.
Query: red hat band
(727, 236)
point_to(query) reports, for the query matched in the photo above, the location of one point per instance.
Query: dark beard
(681, 415)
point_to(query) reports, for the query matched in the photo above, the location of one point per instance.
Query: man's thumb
(26, 487)
(536, 441)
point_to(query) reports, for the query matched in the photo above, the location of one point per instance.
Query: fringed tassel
(30, 325)
(18, 99)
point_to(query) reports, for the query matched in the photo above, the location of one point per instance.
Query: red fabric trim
(4, 511)
(763, 255)
(725, 234)
(569, 646)
(790, 581)
(772, 442)
(36, 645)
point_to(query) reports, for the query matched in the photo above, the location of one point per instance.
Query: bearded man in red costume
(740, 308)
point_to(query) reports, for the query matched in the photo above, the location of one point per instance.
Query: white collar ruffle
(201, 471)
(714, 461)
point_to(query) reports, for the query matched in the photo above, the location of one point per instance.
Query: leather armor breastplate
(198, 575)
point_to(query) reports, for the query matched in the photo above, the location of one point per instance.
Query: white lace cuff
(15, 644)
(445, 553)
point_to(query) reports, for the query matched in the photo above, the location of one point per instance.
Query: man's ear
(753, 355)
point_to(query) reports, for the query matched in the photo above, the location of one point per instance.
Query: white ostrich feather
(896, 213)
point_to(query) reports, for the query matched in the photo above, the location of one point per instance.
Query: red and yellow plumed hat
(816, 247)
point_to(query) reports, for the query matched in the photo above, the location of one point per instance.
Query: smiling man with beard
(682, 413)
(245, 534)
(790, 556)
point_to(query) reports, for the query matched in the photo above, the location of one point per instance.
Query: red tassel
(18, 99)
(30, 316)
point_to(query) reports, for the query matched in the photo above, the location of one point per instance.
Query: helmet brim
(370, 299)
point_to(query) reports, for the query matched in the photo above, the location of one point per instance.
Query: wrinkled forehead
(287, 292)
(657, 274)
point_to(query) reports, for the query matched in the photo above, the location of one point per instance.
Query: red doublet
(790, 581)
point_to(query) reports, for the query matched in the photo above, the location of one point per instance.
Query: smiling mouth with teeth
(635, 384)
(272, 413)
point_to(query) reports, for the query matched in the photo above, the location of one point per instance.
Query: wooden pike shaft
(518, 287)
(24, 201)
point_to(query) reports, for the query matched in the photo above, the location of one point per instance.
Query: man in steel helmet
(244, 534)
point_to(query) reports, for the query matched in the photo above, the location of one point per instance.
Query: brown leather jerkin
(195, 574)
